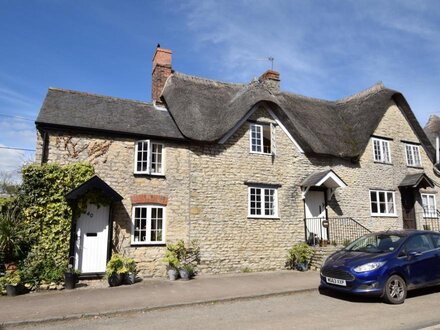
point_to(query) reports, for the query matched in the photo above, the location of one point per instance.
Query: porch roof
(326, 178)
(418, 180)
(94, 183)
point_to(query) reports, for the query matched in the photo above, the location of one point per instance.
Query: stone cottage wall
(113, 160)
(208, 195)
(232, 241)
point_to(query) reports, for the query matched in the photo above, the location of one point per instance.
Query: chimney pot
(271, 79)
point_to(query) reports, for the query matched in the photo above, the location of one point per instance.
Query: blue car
(385, 264)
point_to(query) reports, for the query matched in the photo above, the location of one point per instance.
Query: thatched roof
(432, 128)
(204, 111)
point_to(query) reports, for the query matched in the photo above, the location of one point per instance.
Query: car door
(421, 260)
(436, 241)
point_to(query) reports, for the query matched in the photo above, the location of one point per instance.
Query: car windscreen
(376, 243)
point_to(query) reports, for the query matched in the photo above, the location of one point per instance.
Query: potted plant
(130, 267)
(12, 283)
(299, 256)
(115, 270)
(71, 277)
(172, 260)
(186, 272)
(188, 259)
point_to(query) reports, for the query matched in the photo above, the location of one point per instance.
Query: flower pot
(11, 266)
(70, 280)
(173, 274)
(302, 266)
(184, 274)
(129, 278)
(13, 290)
(115, 279)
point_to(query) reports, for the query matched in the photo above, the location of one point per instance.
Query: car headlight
(369, 266)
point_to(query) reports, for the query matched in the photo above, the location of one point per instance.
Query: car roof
(404, 232)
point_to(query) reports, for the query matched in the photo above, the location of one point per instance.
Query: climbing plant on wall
(47, 217)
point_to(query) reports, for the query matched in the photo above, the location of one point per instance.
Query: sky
(326, 49)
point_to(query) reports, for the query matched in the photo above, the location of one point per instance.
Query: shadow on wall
(121, 228)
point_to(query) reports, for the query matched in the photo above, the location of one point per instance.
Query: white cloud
(324, 49)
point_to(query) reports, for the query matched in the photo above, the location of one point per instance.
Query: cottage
(246, 169)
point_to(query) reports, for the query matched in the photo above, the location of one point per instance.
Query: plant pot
(70, 280)
(302, 266)
(184, 274)
(173, 274)
(115, 279)
(129, 278)
(11, 266)
(14, 290)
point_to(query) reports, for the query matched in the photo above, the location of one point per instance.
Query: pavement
(151, 294)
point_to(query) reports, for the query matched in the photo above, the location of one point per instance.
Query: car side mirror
(413, 255)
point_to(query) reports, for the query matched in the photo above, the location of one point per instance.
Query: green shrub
(179, 255)
(130, 265)
(13, 240)
(115, 266)
(47, 217)
(299, 253)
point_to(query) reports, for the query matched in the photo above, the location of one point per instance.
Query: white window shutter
(273, 146)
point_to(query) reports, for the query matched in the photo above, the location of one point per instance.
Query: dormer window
(262, 138)
(412, 152)
(148, 158)
(381, 151)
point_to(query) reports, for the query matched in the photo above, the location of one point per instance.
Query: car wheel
(395, 290)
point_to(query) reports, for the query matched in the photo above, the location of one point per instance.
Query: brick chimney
(161, 71)
(271, 79)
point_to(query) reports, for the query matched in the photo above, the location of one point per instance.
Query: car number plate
(335, 281)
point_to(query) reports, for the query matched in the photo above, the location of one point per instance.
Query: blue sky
(326, 49)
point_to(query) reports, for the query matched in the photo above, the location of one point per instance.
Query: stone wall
(113, 159)
(208, 195)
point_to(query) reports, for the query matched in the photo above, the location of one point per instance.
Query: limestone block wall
(232, 241)
(113, 160)
(207, 190)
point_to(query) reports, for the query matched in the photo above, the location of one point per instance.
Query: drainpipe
(437, 152)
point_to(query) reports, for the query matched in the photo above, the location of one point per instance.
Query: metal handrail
(338, 230)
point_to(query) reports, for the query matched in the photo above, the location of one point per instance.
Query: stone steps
(321, 253)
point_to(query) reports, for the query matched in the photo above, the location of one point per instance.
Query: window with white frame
(429, 205)
(263, 202)
(149, 158)
(381, 151)
(262, 138)
(413, 155)
(382, 202)
(148, 224)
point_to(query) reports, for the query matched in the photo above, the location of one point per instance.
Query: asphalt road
(310, 310)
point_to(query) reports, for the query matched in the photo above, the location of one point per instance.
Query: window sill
(384, 215)
(383, 163)
(263, 218)
(146, 244)
(260, 153)
(417, 167)
(141, 175)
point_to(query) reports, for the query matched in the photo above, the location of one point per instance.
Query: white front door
(92, 240)
(315, 215)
